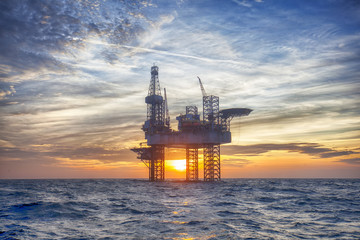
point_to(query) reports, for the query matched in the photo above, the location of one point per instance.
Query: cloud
(5, 92)
(243, 3)
(167, 53)
(231, 161)
(6, 144)
(312, 149)
(33, 31)
(74, 74)
(354, 161)
(47, 151)
(101, 154)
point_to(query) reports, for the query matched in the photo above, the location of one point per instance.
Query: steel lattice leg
(157, 163)
(212, 162)
(192, 173)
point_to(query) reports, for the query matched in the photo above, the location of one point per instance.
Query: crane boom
(202, 88)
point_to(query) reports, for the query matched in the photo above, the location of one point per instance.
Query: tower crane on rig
(202, 88)
(192, 134)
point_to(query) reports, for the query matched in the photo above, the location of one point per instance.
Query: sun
(179, 165)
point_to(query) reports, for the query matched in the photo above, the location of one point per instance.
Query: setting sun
(179, 165)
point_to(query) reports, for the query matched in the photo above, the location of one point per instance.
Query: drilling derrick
(193, 133)
(155, 123)
(155, 105)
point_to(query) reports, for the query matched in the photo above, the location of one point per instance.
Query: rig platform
(192, 134)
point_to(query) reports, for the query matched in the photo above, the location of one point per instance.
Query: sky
(74, 76)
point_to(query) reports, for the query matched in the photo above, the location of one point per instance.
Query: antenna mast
(167, 115)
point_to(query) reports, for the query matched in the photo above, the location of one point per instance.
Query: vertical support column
(211, 110)
(157, 163)
(192, 163)
(212, 162)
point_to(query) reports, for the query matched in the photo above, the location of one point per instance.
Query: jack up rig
(192, 133)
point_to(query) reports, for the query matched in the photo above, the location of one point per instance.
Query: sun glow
(178, 165)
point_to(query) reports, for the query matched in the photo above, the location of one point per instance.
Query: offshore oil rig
(192, 134)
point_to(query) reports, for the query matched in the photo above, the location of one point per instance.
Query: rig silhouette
(193, 133)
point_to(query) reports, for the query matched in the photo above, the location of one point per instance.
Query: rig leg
(157, 163)
(212, 162)
(192, 173)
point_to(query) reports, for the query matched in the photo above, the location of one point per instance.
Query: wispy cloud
(312, 149)
(140, 50)
(354, 161)
(243, 3)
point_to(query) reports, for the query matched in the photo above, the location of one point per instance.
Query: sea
(138, 209)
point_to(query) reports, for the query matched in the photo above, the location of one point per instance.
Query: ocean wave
(137, 209)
